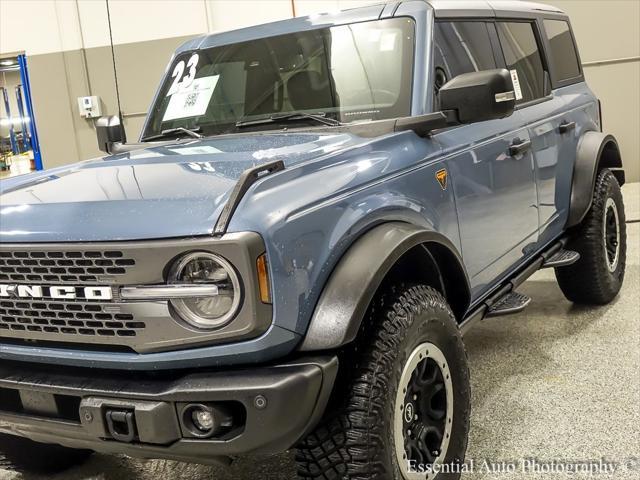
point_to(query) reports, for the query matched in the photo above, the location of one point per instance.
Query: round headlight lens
(207, 269)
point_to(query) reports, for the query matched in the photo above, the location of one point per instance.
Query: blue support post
(35, 145)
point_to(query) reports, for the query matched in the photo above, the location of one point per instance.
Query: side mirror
(109, 132)
(479, 96)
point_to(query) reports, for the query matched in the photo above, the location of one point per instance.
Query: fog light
(203, 419)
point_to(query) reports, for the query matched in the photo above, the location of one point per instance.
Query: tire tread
(348, 443)
(588, 281)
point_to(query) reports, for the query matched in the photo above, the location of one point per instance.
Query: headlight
(202, 268)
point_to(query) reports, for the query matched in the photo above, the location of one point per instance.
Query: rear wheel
(25, 456)
(601, 241)
(401, 407)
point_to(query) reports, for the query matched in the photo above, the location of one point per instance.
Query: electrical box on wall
(89, 107)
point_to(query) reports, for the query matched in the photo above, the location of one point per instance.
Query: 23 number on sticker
(180, 82)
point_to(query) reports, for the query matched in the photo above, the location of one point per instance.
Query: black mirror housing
(109, 132)
(479, 96)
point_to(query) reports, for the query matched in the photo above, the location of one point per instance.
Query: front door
(496, 199)
(490, 163)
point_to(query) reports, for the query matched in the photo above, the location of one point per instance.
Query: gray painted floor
(558, 382)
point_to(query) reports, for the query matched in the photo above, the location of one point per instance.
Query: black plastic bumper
(268, 409)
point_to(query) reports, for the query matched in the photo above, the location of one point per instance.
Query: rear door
(578, 110)
(490, 163)
(542, 113)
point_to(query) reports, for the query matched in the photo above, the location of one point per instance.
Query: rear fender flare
(596, 150)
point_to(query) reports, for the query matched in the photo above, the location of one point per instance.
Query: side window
(461, 47)
(563, 51)
(521, 54)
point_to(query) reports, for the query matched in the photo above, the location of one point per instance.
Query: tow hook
(121, 425)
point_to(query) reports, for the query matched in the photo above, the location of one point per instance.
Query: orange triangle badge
(441, 176)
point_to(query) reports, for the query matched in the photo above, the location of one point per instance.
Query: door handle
(566, 127)
(518, 148)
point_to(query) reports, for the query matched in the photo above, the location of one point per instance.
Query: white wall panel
(68, 23)
(309, 7)
(46, 26)
(142, 20)
(226, 15)
(93, 20)
(29, 26)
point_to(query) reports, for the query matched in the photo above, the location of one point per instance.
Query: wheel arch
(596, 150)
(393, 250)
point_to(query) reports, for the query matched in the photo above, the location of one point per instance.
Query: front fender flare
(596, 150)
(354, 281)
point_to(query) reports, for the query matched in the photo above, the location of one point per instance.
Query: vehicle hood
(164, 191)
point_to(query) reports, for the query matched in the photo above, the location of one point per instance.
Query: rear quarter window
(564, 58)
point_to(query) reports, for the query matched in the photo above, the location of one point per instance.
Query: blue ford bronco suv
(316, 212)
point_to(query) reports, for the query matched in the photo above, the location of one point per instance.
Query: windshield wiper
(319, 117)
(193, 132)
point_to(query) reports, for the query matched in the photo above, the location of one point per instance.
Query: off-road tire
(25, 456)
(355, 440)
(589, 281)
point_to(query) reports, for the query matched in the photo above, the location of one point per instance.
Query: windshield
(350, 73)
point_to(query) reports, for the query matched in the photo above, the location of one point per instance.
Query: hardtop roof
(467, 8)
(490, 6)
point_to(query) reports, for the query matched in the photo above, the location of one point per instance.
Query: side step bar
(561, 258)
(505, 300)
(512, 302)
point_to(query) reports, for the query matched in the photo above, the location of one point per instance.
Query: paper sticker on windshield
(180, 81)
(388, 42)
(516, 84)
(192, 100)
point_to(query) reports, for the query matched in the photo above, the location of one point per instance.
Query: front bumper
(272, 407)
(275, 343)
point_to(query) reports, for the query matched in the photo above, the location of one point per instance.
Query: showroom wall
(67, 45)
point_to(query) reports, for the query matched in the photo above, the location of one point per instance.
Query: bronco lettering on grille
(67, 292)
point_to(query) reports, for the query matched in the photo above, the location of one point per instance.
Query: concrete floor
(557, 382)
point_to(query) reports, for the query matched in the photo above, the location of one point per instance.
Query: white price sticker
(191, 100)
(388, 42)
(516, 84)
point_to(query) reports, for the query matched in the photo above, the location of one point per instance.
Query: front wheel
(401, 407)
(601, 241)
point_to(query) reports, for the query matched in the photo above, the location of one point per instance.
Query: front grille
(66, 318)
(78, 267)
(35, 315)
